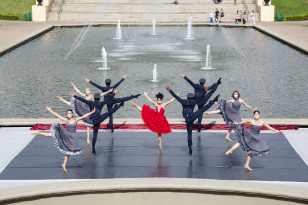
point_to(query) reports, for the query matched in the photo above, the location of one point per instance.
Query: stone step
(130, 8)
(135, 18)
(149, 2)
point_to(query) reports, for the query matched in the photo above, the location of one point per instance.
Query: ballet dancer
(155, 120)
(188, 112)
(230, 113)
(79, 108)
(111, 100)
(250, 139)
(200, 91)
(97, 117)
(65, 139)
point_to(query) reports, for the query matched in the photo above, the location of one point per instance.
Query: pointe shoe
(64, 168)
(247, 167)
(216, 98)
(227, 138)
(136, 96)
(219, 81)
(229, 152)
(160, 147)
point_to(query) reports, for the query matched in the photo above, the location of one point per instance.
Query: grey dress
(80, 109)
(251, 141)
(66, 139)
(230, 113)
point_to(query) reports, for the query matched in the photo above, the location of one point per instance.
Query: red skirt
(154, 121)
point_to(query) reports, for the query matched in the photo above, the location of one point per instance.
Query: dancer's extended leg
(45, 134)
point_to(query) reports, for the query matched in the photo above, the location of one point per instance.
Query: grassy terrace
(290, 7)
(16, 7)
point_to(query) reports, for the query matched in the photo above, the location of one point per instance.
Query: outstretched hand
(117, 90)
(72, 84)
(168, 88)
(93, 111)
(48, 108)
(145, 93)
(255, 109)
(87, 79)
(182, 75)
(235, 123)
(125, 76)
(110, 90)
(60, 98)
(71, 94)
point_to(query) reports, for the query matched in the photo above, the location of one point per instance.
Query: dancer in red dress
(155, 119)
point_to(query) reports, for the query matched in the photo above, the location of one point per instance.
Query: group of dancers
(88, 107)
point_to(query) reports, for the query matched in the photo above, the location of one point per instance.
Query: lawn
(16, 7)
(290, 7)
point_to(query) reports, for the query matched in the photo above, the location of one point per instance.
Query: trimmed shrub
(297, 18)
(8, 17)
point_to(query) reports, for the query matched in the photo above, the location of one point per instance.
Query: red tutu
(155, 121)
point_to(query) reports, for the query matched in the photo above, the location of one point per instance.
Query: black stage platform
(127, 154)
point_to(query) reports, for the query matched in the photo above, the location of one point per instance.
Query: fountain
(189, 29)
(155, 74)
(118, 32)
(153, 27)
(104, 60)
(208, 58)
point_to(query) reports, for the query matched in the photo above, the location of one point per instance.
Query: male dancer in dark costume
(188, 111)
(200, 91)
(111, 100)
(97, 117)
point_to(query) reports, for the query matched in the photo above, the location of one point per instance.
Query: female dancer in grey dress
(230, 113)
(250, 140)
(65, 139)
(79, 108)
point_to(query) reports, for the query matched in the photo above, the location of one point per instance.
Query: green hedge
(297, 18)
(8, 17)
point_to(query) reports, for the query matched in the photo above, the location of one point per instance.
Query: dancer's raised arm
(170, 101)
(88, 102)
(271, 128)
(77, 90)
(86, 115)
(243, 122)
(110, 90)
(56, 114)
(174, 95)
(149, 99)
(118, 83)
(244, 103)
(65, 101)
(189, 81)
(96, 85)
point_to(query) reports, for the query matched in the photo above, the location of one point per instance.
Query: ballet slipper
(229, 152)
(247, 167)
(64, 168)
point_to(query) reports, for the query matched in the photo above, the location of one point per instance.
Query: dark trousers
(111, 103)
(99, 120)
(204, 101)
(190, 120)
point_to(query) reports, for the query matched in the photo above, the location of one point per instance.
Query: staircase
(143, 11)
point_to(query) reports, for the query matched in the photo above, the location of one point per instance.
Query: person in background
(222, 14)
(244, 17)
(252, 18)
(216, 15)
(211, 17)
